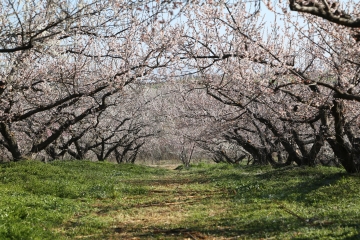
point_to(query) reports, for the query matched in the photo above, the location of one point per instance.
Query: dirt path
(165, 212)
(166, 166)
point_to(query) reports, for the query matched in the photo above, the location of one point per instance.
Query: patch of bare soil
(166, 166)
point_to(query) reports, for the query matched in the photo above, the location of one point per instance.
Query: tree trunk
(342, 149)
(10, 140)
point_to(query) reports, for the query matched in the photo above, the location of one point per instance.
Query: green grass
(87, 200)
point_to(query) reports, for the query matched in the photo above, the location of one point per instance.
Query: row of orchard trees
(73, 75)
(101, 79)
(290, 95)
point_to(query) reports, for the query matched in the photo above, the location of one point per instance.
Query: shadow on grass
(290, 184)
(234, 228)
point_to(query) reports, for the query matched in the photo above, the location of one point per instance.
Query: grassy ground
(86, 200)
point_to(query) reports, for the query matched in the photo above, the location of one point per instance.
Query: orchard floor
(86, 200)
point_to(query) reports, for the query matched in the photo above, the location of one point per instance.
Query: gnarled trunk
(343, 149)
(10, 142)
